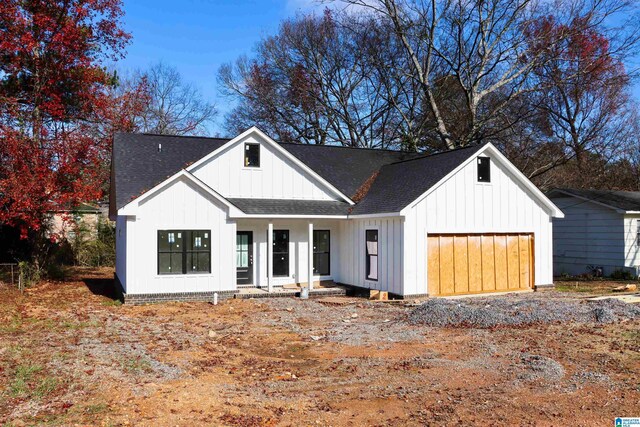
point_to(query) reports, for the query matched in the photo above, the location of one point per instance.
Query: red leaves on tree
(53, 92)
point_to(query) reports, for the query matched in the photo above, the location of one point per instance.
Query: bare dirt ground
(70, 356)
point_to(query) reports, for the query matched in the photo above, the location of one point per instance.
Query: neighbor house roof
(619, 200)
(380, 181)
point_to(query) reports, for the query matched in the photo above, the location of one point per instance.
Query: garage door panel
(446, 265)
(500, 254)
(433, 268)
(488, 264)
(474, 247)
(525, 261)
(513, 262)
(460, 265)
(465, 264)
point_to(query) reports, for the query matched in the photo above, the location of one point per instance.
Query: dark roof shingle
(141, 161)
(291, 207)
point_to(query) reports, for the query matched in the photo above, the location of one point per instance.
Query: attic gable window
(484, 169)
(252, 155)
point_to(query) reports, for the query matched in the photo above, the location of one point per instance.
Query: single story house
(197, 216)
(600, 232)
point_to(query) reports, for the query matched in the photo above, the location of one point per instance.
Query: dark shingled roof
(344, 167)
(624, 200)
(398, 184)
(138, 165)
(291, 207)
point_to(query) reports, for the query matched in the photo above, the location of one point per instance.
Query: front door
(244, 257)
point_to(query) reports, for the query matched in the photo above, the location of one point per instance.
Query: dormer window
(484, 169)
(252, 155)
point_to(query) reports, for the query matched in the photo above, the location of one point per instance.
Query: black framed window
(372, 254)
(321, 247)
(280, 252)
(484, 169)
(184, 251)
(252, 155)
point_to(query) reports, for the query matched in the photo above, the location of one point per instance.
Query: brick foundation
(138, 299)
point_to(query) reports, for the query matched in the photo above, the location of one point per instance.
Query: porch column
(270, 257)
(310, 257)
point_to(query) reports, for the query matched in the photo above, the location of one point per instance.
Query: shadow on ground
(103, 287)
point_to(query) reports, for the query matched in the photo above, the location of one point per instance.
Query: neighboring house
(64, 223)
(601, 230)
(196, 216)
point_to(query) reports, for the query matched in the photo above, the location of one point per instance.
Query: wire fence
(10, 274)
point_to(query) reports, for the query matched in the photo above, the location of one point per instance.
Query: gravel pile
(516, 311)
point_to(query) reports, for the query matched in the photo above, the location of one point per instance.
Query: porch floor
(279, 292)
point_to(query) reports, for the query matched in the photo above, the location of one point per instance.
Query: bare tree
(175, 107)
(482, 45)
(311, 83)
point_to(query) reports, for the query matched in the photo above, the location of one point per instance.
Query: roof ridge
(177, 136)
(347, 146)
(436, 154)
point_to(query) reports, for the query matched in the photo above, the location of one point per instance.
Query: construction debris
(626, 288)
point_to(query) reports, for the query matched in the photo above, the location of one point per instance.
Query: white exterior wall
(298, 249)
(462, 205)
(390, 255)
(276, 178)
(591, 234)
(121, 250)
(180, 205)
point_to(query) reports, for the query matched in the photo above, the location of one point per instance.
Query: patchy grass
(596, 287)
(96, 409)
(112, 303)
(26, 385)
(138, 365)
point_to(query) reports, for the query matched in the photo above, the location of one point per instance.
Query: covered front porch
(275, 255)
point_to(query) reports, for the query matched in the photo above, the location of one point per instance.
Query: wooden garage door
(476, 263)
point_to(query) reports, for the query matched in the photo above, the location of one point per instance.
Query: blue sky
(197, 36)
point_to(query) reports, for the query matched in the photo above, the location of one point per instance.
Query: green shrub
(622, 274)
(95, 249)
(29, 273)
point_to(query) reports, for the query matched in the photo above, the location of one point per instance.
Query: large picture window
(321, 246)
(372, 254)
(184, 251)
(280, 253)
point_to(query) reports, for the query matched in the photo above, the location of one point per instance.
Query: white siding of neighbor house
(298, 249)
(631, 243)
(390, 256)
(589, 234)
(180, 205)
(276, 178)
(121, 250)
(462, 205)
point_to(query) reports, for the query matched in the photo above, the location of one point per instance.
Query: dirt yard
(69, 355)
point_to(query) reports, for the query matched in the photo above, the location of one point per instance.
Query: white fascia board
(277, 147)
(130, 209)
(490, 148)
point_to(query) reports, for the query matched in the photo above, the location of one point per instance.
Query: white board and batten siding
(593, 235)
(461, 205)
(276, 177)
(390, 258)
(179, 206)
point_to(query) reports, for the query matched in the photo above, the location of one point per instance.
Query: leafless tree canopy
(547, 82)
(175, 107)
